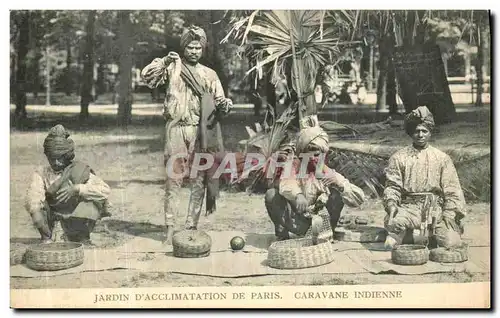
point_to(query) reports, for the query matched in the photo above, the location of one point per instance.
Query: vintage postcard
(250, 158)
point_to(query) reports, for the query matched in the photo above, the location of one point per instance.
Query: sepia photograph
(250, 158)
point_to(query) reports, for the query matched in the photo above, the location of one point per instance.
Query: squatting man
(66, 192)
(420, 173)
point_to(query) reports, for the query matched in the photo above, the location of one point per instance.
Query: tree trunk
(101, 80)
(68, 87)
(88, 66)
(369, 87)
(382, 89)
(307, 87)
(37, 55)
(384, 49)
(36, 70)
(47, 76)
(445, 63)
(125, 67)
(391, 89)
(21, 76)
(482, 52)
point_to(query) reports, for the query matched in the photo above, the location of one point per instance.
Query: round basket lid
(58, 246)
(192, 237)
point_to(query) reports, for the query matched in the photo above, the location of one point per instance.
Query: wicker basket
(326, 230)
(361, 233)
(191, 244)
(17, 253)
(54, 256)
(299, 253)
(410, 254)
(449, 255)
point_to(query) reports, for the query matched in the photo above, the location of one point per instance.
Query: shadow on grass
(146, 146)
(96, 122)
(259, 240)
(25, 240)
(142, 229)
(123, 183)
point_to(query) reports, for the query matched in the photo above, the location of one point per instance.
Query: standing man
(417, 173)
(194, 104)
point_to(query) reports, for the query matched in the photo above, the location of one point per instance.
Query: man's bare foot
(390, 243)
(169, 233)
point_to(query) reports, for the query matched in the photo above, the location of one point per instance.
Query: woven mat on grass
(149, 255)
(475, 235)
(218, 264)
(257, 243)
(378, 262)
(95, 260)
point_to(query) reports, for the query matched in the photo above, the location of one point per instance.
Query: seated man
(67, 191)
(416, 172)
(294, 197)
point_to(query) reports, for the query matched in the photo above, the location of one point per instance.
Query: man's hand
(329, 181)
(66, 192)
(223, 104)
(172, 56)
(449, 221)
(40, 223)
(301, 203)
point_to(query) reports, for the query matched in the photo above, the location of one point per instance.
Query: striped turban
(312, 136)
(419, 116)
(193, 33)
(58, 144)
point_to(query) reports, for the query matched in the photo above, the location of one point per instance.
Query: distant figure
(66, 191)
(116, 87)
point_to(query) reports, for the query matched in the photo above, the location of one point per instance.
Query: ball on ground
(237, 243)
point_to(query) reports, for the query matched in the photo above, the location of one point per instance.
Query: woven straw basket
(54, 256)
(355, 233)
(191, 244)
(410, 254)
(17, 253)
(326, 230)
(299, 253)
(449, 255)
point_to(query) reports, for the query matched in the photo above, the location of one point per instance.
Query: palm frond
(269, 35)
(268, 142)
(362, 169)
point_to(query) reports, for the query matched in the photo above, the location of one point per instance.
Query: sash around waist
(420, 197)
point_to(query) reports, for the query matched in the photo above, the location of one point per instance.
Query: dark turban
(58, 144)
(193, 33)
(419, 116)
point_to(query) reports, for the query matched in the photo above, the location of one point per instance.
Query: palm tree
(295, 44)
